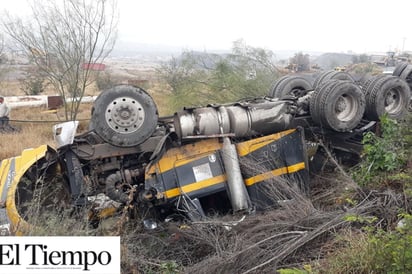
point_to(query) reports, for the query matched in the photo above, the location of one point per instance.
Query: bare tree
(1, 49)
(257, 56)
(62, 38)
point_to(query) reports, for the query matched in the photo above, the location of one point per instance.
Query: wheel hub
(345, 108)
(124, 115)
(392, 101)
(341, 105)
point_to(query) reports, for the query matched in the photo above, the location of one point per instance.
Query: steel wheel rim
(125, 115)
(345, 108)
(393, 101)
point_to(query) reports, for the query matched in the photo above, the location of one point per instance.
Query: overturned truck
(218, 158)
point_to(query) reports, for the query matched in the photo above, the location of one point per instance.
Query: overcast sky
(297, 25)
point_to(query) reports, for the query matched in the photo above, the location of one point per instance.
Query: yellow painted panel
(195, 186)
(247, 147)
(22, 164)
(276, 172)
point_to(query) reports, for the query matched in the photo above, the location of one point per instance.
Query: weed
(381, 153)
(392, 251)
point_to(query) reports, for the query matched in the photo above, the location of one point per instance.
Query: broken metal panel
(268, 160)
(64, 133)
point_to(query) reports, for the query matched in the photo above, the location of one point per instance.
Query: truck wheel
(368, 84)
(331, 75)
(388, 94)
(399, 68)
(407, 75)
(338, 105)
(124, 116)
(313, 103)
(296, 86)
(319, 78)
(276, 84)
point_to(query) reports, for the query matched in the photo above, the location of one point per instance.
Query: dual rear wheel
(339, 103)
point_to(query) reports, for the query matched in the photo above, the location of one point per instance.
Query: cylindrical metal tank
(246, 119)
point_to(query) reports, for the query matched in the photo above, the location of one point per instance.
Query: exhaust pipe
(239, 198)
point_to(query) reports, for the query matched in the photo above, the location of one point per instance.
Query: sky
(360, 26)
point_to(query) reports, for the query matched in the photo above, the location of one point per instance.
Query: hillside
(331, 60)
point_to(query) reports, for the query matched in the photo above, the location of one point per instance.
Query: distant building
(94, 66)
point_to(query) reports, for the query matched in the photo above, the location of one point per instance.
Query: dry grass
(36, 128)
(14, 88)
(161, 95)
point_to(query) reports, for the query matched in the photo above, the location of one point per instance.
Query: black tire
(407, 75)
(340, 75)
(364, 84)
(369, 84)
(124, 116)
(388, 94)
(313, 103)
(319, 78)
(332, 75)
(296, 86)
(399, 68)
(276, 84)
(338, 105)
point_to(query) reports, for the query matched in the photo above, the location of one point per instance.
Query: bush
(104, 80)
(372, 251)
(387, 249)
(392, 251)
(200, 78)
(33, 84)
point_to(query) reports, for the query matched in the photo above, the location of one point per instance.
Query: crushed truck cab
(187, 179)
(227, 158)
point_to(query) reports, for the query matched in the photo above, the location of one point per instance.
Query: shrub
(372, 251)
(33, 84)
(392, 251)
(381, 153)
(104, 80)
